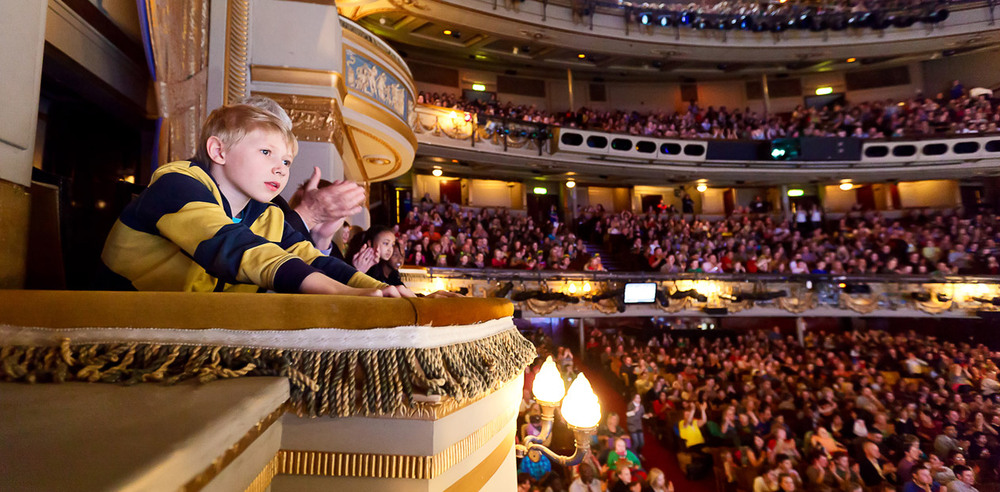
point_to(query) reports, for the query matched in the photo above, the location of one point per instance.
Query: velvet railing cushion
(182, 310)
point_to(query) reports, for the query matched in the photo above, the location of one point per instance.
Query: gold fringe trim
(336, 383)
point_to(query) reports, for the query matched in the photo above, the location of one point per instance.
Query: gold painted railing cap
(186, 310)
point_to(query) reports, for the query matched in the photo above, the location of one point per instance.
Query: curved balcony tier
(525, 149)
(613, 39)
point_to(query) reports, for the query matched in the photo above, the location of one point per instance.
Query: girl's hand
(364, 259)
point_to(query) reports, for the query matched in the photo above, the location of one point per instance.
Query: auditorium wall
(929, 76)
(930, 194)
(938, 74)
(493, 193)
(838, 200)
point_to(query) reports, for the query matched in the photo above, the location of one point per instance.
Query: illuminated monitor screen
(638, 293)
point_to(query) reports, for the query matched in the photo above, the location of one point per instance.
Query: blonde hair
(654, 473)
(231, 123)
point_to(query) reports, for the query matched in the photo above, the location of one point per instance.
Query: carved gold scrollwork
(237, 44)
(314, 119)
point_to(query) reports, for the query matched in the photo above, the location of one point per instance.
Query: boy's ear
(216, 150)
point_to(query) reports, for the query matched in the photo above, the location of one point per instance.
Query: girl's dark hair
(372, 233)
(359, 240)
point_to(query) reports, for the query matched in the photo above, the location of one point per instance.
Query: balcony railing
(591, 294)
(495, 134)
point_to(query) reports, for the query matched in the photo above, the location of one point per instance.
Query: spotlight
(837, 22)
(571, 184)
(645, 18)
(903, 21)
(437, 172)
(746, 22)
(685, 18)
(858, 21)
(856, 288)
(936, 16)
(702, 187)
(880, 21)
(665, 21)
(817, 24)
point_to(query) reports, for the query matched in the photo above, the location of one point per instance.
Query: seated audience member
(786, 483)
(621, 454)
(587, 481)
(786, 467)
(965, 478)
(921, 481)
(207, 225)
(658, 482)
(819, 477)
(620, 480)
(382, 240)
(871, 467)
(523, 482)
(767, 482)
(535, 464)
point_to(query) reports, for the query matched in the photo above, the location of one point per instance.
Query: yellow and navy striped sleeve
(179, 235)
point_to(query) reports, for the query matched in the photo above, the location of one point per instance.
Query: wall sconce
(580, 408)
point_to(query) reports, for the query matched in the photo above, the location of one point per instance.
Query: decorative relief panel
(314, 119)
(367, 77)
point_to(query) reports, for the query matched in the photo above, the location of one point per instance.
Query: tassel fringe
(328, 383)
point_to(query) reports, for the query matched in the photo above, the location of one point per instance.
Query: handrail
(378, 42)
(545, 275)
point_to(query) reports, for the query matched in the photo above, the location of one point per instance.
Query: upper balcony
(489, 147)
(550, 36)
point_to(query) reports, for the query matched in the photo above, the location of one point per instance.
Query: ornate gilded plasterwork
(314, 119)
(299, 76)
(347, 464)
(237, 50)
(366, 77)
(396, 159)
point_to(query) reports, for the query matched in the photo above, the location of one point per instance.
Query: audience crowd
(762, 412)
(664, 240)
(852, 411)
(952, 112)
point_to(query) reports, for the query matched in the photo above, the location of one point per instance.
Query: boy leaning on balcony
(208, 224)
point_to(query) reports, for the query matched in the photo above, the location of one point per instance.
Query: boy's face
(254, 168)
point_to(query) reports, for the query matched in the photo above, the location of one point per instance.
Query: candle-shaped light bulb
(581, 407)
(548, 386)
